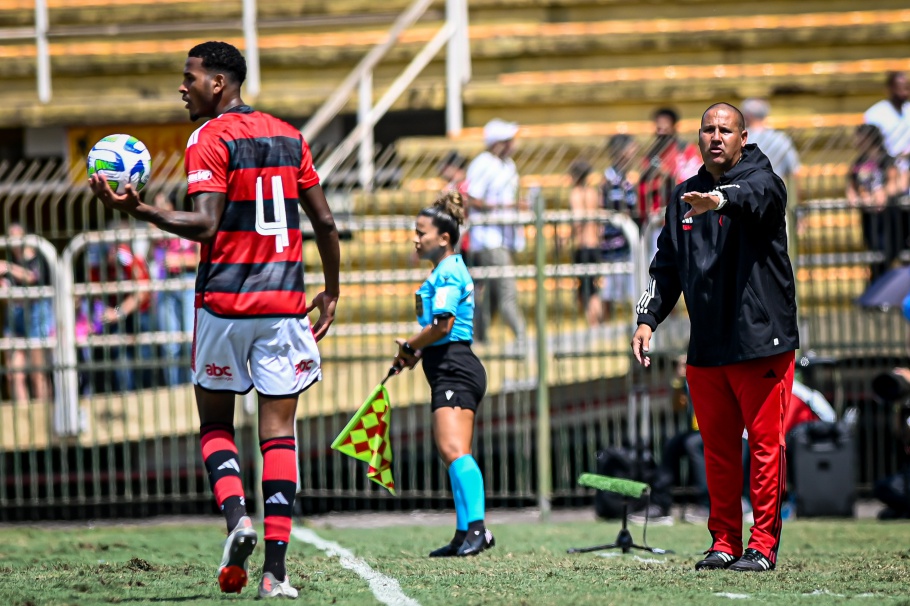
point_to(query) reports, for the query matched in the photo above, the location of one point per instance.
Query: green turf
(825, 562)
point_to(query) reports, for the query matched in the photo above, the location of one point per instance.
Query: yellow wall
(162, 140)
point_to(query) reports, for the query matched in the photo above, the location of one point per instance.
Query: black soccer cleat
(753, 561)
(476, 542)
(450, 550)
(716, 560)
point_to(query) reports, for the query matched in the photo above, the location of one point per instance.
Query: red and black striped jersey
(254, 264)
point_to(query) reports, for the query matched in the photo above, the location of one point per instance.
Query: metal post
(454, 80)
(364, 107)
(465, 42)
(251, 41)
(544, 456)
(42, 51)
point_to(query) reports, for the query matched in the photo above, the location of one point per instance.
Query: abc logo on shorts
(218, 372)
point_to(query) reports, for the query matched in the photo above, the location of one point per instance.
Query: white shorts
(277, 356)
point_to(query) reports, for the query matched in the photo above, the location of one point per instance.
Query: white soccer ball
(121, 159)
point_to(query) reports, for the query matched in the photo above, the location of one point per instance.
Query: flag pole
(394, 370)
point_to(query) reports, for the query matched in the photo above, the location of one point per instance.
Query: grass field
(822, 562)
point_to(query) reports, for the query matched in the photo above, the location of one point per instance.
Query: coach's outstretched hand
(325, 303)
(700, 203)
(641, 343)
(127, 202)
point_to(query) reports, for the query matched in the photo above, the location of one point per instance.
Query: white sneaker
(269, 587)
(234, 569)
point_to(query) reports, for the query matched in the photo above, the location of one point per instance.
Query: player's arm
(320, 215)
(200, 225)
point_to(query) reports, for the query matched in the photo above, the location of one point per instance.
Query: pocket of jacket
(756, 304)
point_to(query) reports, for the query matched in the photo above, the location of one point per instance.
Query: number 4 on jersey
(279, 226)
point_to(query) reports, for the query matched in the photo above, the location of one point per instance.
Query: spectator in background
(493, 192)
(453, 168)
(584, 202)
(872, 180)
(175, 258)
(892, 117)
(124, 313)
(668, 162)
(774, 143)
(619, 195)
(27, 318)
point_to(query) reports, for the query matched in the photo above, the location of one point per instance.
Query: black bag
(822, 458)
(630, 464)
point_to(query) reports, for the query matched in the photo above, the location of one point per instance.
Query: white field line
(733, 596)
(386, 589)
(634, 557)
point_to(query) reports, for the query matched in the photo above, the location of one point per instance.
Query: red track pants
(751, 395)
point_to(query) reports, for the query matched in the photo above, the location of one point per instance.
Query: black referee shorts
(455, 374)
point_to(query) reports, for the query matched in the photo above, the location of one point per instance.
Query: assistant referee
(724, 247)
(458, 381)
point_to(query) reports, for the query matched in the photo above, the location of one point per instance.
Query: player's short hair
(739, 114)
(221, 57)
(672, 114)
(892, 77)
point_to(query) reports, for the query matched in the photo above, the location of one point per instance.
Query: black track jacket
(730, 265)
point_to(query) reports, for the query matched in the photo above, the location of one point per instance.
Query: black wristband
(406, 348)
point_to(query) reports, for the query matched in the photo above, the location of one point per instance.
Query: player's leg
(219, 452)
(721, 425)
(219, 374)
(763, 387)
(284, 362)
(279, 488)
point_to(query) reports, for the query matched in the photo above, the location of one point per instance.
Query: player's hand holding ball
(119, 166)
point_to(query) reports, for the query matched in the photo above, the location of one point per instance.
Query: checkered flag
(366, 437)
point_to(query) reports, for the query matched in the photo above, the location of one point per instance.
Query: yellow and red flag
(366, 437)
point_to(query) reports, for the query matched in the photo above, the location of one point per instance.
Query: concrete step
(503, 48)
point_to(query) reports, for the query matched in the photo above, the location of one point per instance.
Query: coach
(724, 247)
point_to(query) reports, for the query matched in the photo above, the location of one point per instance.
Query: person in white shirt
(776, 144)
(493, 192)
(892, 117)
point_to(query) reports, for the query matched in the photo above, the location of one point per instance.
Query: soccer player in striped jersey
(246, 172)
(458, 380)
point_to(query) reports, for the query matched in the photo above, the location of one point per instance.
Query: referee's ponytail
(447, 213)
